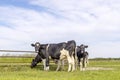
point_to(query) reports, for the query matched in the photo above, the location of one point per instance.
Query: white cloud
(99, 13)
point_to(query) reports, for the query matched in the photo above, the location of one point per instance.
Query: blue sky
(92, 22)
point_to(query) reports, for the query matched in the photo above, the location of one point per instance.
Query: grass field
(19, 69)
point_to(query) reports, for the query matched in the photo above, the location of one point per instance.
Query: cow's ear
(33, 45)
(86, 46)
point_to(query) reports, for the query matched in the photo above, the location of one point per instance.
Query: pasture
(19, 69)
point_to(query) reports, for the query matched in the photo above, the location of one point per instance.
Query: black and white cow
(82, 56)
(58, 51)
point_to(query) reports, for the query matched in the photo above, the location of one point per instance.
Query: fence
(7, 53)
(16, 51)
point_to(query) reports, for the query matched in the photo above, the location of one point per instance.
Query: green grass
(14, 60)
(18, 69)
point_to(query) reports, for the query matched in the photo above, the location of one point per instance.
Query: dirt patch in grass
(98, 68)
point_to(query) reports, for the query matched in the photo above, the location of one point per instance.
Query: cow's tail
(47, 48)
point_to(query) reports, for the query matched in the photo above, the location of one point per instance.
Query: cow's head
(36, 61)
(37, 46)
(82, 48)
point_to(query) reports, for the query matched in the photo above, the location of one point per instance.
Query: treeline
(105, 59)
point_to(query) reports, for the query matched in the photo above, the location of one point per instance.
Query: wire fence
(17, 51)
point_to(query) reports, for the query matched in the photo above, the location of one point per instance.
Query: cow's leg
(78, 62)
(47, 63)
(76, 59)
(87, 61)
(69, 64)
(69, 67)
(81, 64)
(73, 63)
(63, 63)
(84, 63)
(44, 63)
(59, 64)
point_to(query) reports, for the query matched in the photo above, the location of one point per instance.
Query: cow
(58, 52)
(82, 56)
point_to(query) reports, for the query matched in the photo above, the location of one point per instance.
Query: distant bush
(105, 59)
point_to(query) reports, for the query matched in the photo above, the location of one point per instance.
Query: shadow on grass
(24, 67)
(52, 68)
